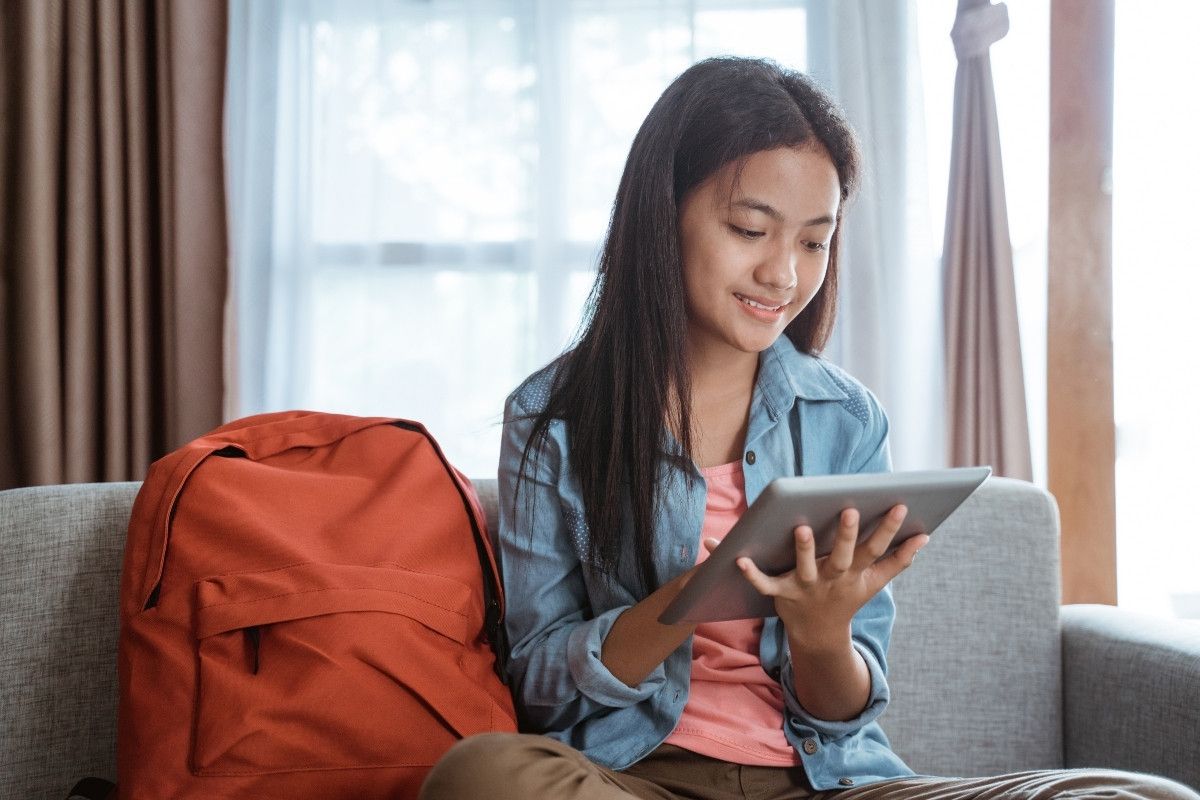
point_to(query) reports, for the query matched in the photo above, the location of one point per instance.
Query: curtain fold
(112, 234)
(985, 386)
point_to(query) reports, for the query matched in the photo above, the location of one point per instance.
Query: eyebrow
(773, 213)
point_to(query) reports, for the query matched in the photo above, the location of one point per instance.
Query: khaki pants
(510, 766)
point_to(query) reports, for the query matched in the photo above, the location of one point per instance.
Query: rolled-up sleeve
(871, 628)
(593, 678)
(870, 632)
(556, 671)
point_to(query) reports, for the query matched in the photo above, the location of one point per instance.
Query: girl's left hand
(817, 600)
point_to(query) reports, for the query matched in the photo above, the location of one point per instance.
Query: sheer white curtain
(418, 191)
(890, 332)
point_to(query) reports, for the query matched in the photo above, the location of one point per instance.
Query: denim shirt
(806, 417)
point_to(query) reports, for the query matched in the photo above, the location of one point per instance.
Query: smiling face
(755, 253)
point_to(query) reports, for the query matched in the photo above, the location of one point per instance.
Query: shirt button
(846, 781)
(750, 457)
(810, 746)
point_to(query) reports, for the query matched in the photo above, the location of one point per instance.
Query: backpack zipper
(254, 637)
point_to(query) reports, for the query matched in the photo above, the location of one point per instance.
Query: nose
(778, 269)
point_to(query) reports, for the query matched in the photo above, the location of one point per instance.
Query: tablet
(719, 591)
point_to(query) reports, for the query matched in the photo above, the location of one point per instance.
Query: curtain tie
(978, 27)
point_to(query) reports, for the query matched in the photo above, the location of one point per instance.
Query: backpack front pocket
(332, 666)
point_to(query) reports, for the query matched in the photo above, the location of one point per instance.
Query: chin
(756, 344)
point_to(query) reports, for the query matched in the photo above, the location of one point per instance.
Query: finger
(901, 559)
(710, 544)
(841, 558)
(806, 555)
(764, 584)
(881, 538)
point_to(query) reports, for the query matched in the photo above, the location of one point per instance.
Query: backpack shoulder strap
(493, 588)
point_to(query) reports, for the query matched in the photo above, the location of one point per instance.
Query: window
(1156, 269)
(440, 183)
(1156, 283)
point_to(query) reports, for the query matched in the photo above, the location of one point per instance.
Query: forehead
(799, 183)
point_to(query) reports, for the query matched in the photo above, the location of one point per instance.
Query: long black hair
(625, 383)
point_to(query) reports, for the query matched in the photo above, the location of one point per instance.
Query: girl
(695, 383)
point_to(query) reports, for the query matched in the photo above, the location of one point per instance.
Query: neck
(720, 375)
(722, 388)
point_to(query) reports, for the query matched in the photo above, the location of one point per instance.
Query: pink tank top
(734, 710)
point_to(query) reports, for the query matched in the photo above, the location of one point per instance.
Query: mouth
(760, 304)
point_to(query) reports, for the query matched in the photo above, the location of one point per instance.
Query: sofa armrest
(1131, 691)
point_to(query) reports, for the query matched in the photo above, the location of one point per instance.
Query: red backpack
(309, 606)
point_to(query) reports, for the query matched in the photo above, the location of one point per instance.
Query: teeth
(753, 304)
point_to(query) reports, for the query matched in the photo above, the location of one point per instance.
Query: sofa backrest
(60, 565)
(975, 659)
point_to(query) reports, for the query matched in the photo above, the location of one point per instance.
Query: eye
(747, 234)
(816, 247)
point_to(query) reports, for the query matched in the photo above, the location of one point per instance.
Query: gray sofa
(989, 674)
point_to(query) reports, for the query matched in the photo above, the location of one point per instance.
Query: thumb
(710, 544)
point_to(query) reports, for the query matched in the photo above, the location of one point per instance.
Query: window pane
(621, 60)
(622, 57)
(778, 33)
(1156, 280)
(440, 347)
(422, 125)
(454, 166)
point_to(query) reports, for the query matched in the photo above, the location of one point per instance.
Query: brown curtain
(112, 234)
(985, 385)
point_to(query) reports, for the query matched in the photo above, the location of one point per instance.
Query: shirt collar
(785, 374)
